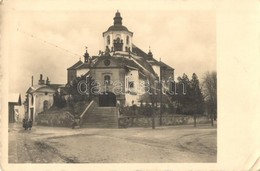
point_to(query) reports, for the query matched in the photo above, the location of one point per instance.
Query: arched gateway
(107, 99)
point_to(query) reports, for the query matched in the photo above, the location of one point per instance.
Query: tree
(80, 88)
(210, 93)
(197, 101)
(182, 97)
(58, 100)
(189, 96)
(196, 93)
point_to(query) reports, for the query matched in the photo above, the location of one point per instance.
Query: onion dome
(118, 26)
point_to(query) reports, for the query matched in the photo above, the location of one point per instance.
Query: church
(123, 74)
(122, 71)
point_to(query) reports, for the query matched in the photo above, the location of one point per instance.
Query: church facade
(122, 71)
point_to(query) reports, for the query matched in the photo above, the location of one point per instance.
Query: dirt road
(134, 145)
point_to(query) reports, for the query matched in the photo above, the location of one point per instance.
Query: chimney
(47, 81)
(41, 81)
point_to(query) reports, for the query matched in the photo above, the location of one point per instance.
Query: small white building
(40, 97)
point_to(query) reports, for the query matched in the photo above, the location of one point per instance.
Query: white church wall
(113, 36)
(81, 72)
(132, 94)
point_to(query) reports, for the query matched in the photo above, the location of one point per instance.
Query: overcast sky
(184, 39)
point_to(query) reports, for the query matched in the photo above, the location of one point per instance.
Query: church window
(127, 40)
(107, 62)
(107, 79)
(108, 40)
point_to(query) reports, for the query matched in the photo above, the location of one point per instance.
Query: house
(14, 107)
(122, 71)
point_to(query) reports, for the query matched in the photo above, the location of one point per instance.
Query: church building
(122, 71)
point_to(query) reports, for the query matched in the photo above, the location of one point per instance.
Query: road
(133, 145)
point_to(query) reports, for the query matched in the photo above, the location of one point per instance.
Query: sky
(183, 39)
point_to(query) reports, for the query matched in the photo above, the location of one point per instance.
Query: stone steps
(101, 117)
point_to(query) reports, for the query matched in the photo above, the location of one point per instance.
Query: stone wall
(125, 121)
(55, 119)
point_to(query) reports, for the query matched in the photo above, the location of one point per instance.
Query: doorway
(107, 99)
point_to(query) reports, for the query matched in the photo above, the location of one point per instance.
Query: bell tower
(118, 37)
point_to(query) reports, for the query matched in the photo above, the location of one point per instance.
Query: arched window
(108, 40)
(107, 79)
(127, 40)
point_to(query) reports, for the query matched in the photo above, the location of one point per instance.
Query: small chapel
(121, 69)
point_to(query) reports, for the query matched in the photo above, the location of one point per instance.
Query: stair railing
(88, 108)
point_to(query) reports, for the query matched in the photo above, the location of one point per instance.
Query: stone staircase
(101, 117)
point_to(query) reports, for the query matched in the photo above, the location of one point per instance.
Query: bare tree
(210, 93)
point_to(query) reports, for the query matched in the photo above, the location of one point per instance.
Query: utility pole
(152, 100)
(162, 68)
(160, 84)
(153, 117)
(195, 117)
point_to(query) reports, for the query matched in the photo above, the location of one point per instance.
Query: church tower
(118, 37)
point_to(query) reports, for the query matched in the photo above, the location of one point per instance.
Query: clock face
(107, 62)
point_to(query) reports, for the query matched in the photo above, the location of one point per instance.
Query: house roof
(54, 87)
(15, 98)
(73, 67)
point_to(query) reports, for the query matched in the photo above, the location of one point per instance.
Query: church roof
(142, 61)
(138, 51)
(117, 28)
(83, 66)
(73, 67)
(152, 61)
(160, 63)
